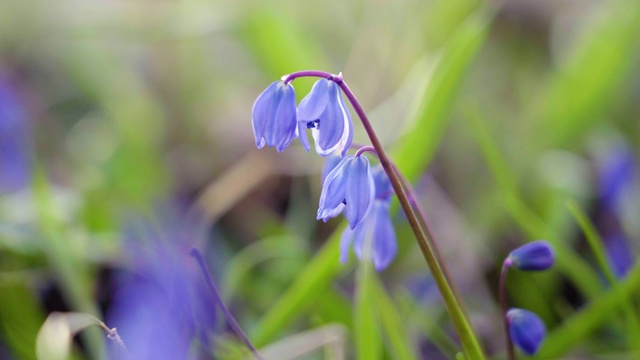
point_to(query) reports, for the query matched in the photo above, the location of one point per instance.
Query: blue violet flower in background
(14, 140)
(526, 329)
(274, 116)
(534, 256)
(348, 186)
(377, 226)
(324, 112)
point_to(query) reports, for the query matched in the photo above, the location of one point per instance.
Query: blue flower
(348, 186)
(274, 116)
(526, 329)
(377, 226)
(323, 111)
(161, 306)
(537, 255)
(14, 140)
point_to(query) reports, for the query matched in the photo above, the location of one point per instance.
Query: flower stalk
(470, 344)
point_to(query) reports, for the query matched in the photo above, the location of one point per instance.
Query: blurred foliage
(136, 114)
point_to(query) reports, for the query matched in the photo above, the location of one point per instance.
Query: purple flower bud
(349, 185)
(526, 329)
(324, 112)
(537, 255)
(274, 116)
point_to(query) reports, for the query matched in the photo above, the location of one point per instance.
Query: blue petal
(360, 234)
(347, 138)
(332, 124)
(330, 163)
(260, 113)
(333, 189)
(285, 125)
(302, 132)
(382, 183)
(537, 255)
(345, 244)
(360, 191)
(385, 246)
(526, 329)
(314, 104)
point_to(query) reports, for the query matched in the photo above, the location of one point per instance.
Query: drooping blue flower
(324, 112)
(537, 255)
(526, 329)
(14, 140)
(348, 186)
(274, 116)
(617, 171)
(376, 226)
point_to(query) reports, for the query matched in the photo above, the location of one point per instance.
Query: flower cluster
(276, 120)
(350, 185)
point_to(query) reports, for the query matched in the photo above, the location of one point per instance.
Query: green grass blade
(569, 263)
(368, 341)
(309, 285)
(593, 75)
(577, 328)
(392, 324)
(431, 117)
(597, 246)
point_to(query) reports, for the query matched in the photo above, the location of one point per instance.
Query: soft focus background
(125, 140)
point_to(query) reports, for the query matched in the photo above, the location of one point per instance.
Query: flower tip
(526, 329)
(535, 256)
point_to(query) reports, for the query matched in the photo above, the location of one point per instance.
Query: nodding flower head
(348, 186)
(324, 112)
(526, 329)
(537, 255)
(274, 116)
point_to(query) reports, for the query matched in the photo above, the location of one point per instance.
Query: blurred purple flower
(14, 139)
(617, 173)
(162, 306)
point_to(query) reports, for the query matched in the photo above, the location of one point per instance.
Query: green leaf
(392, 324)
(308, 286)
(367, 336)
(427, 124)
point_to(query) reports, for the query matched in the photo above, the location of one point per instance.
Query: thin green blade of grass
(597, 246)
(431, 116)
(568, 262)
(310, 284)
(577, 328)
(392, 324)
(592, 77)
(367, 337)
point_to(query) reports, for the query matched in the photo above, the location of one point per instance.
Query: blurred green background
(515, 121)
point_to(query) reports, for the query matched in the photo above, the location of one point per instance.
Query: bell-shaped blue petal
(330, 163)
(376, 229)
(537, 255)
(274, 116)
(382, 183)
(349, 185)
(360, 191)
(324, 112)
(526, 329)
